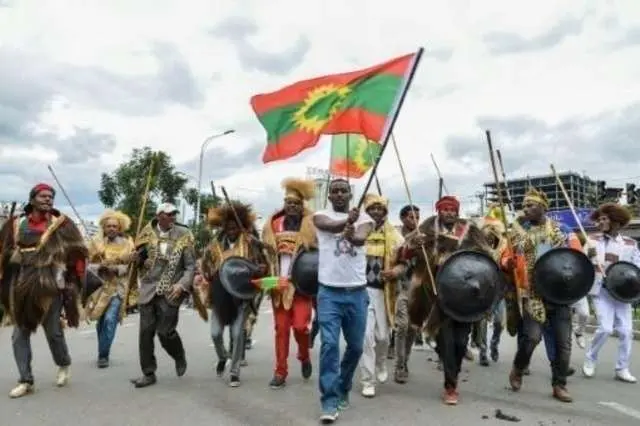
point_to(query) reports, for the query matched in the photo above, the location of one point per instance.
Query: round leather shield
(304, 272)
(623, 282)
(236, 274)
(469, 284)
(92, 282)
(563, 276)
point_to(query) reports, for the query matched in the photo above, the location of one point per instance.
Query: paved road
(105, 397)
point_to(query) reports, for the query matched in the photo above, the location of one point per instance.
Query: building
(322, 179)
(581, 190)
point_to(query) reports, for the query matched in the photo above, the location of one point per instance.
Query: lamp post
(196, 220)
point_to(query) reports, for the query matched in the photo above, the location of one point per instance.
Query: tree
(202, 233)
(123, 189)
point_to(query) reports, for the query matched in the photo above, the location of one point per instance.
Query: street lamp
(202, 148)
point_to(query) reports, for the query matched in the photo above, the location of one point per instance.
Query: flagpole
(386, 132)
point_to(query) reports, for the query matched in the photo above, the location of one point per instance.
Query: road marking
(622, 409)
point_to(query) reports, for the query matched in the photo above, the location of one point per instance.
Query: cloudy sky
(83, 82)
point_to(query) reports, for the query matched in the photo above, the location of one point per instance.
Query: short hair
(404, 212)
(339, 180)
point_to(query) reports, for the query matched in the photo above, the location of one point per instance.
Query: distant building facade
(581, 190)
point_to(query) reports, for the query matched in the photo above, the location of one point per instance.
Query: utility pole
(480, 196)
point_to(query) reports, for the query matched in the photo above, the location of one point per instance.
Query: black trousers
(452, 341)
(559, 327)
(158, 317)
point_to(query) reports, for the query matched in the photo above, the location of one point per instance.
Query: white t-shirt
(340, 264)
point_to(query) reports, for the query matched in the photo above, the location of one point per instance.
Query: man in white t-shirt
(342, 296)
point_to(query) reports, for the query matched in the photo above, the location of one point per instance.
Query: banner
(565, 217)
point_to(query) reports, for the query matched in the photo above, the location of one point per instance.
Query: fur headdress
(299, 189)
(219, 216)
(615, 212)
(124, 221)
(371, 199)
(537, 196)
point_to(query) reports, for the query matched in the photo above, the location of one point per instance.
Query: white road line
(631, 412)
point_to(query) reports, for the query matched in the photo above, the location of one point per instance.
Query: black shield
(236, 274)
(92, 282)
(623, 282)
(468, 284)
(304, 272)
(563, 276)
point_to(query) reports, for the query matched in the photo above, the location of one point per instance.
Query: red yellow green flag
(355, 102)
(352, 155)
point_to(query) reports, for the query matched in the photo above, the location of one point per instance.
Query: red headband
(448, 202)
(39, 188)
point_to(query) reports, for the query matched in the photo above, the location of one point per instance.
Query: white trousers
(582, 315)
(612, 315)
(376, 338)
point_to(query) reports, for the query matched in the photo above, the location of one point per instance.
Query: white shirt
(163, 245)
(341, 264)
(625, 248)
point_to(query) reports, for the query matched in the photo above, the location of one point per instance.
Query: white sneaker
(588, 368)
(21, 390)
(368, 391)
(625, 376)
(382, 374)
(581, 341)
(63, 376)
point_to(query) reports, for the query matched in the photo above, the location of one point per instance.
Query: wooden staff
(503, 215)
(66, 196)
(441, 185)
(573, 212)
(143, 209)
(510, 203)
(413, 210)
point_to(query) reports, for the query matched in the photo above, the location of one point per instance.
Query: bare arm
(361, 234)
(326, 224)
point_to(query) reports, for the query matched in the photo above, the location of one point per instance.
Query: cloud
(81, 96)
(503, 43)
(239, 30)
(604, 145)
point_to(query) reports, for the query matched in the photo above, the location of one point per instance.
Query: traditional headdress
(299, 189)
(124, 221)
(615, 212)
(39, 188)
(448, 201)
(218, 216)
(371, 199)
(537, 196)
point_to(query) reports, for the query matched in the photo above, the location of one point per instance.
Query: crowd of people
(375, 287)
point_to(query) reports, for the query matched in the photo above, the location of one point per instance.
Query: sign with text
(566, 218)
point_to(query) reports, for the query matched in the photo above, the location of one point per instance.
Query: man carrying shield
(532, 235)
(110, 254)
(288, 231)
(612, 247)
(235, 238)
(439, 237)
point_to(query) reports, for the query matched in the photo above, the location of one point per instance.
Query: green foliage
(206, 200)
(123, 189)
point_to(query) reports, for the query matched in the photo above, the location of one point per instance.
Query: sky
(83, 82)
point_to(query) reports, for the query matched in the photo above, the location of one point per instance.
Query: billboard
(566, 218)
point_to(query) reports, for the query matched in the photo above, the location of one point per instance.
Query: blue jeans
(106, 327)
(346, 310)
